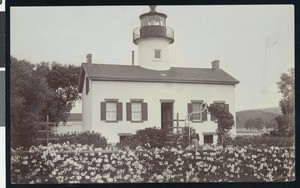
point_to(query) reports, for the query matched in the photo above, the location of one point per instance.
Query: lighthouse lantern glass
(153, 20)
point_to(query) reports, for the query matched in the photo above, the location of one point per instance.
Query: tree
(272, 124)
(286, 121)
(62, 81)
(250, 124)
(259, 123)
(28, 93)
(225, 122)
(37, 91)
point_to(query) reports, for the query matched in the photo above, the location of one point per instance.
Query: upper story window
(136, 110)
(157, 54)
(111, 110)
(196, 106)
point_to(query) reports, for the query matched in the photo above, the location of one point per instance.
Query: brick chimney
(215, 65)
(89, 58)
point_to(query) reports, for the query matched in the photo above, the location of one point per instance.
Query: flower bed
(81, 164)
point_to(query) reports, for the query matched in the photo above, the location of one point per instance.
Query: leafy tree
(259, 123)
(225, 122)
(37, 91)
(271, 124)
(28, 93)
(250, 124)
(62, 81)
(286, 121)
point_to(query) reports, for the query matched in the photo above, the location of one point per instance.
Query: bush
(86, 137)
(129, 142)
(23, 136)
(151, 137)
(211, 164)
(259, 141)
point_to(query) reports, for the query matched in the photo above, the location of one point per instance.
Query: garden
(72, 162)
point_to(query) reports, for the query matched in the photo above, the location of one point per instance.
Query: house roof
(105, 72)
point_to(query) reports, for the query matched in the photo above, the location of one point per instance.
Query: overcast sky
(254, 44)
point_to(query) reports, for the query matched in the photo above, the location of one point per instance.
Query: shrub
(86, 137)
(259, 141)
(151, 137)
(129, 142)
(211, 164)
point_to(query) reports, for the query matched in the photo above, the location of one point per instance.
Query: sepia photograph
(152, 94)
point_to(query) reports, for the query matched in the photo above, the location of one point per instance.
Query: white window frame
(197, 117)
(136, 111)
(111, 111)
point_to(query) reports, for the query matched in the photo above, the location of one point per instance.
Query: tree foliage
(286, 121)
(225, 122)
(62, 82)
(257, 123)
(37, 91)
(28, 93)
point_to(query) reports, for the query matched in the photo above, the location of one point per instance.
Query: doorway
(166, 115)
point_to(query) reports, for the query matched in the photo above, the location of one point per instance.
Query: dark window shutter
(128, 111)
(204, 115)
(144, 111)
(227, 107)
(103, 111)
(190, 109)
(87, 87)
(119, 111)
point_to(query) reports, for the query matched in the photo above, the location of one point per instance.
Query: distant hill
(266, 114)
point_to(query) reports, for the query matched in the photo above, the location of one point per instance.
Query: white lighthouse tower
(153, 39)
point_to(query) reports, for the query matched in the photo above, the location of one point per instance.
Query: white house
(117, 100)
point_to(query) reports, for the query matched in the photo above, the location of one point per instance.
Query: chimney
(215, 65)
(132, 56)
(89, 58)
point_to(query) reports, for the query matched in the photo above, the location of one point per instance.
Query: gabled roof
(131, 73)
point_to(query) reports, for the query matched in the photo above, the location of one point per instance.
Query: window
(157, 53)
(197, 106)
(137, 110)
(208, 139)
(111, 110)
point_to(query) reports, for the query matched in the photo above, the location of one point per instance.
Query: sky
(254, 43)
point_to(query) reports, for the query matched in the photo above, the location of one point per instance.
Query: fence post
(177, 122)
(47, 128)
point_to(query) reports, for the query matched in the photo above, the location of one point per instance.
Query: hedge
(211, 164)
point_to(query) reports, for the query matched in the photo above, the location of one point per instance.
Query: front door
(166, 115)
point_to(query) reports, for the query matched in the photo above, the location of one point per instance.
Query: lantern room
(153, 24)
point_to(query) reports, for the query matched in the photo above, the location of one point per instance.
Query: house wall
(87, 107)
(152, 93)
(146, 57)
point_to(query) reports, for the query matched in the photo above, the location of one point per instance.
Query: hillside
(266, 114)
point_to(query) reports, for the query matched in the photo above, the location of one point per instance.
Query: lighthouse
(153, 38)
